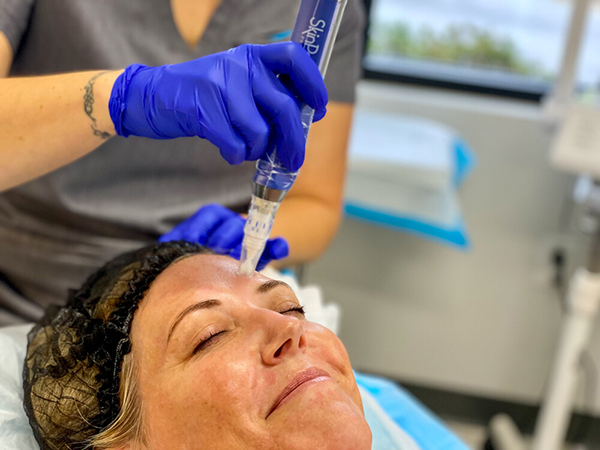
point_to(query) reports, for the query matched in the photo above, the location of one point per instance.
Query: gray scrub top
(57, 229)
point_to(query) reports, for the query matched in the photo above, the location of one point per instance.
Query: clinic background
(473, 332)
(459, 238)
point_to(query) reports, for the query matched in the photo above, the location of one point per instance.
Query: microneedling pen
(315, 29)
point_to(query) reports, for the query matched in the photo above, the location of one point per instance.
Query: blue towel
(426, 430)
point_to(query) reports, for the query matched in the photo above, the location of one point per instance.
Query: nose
(285, 338)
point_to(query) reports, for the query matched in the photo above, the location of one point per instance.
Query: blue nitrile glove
(222, 230)
(234, 99)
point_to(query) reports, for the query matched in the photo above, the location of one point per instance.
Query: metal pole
(563, 88)
(582, 306)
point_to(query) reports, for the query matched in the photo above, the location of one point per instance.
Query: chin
(325, 417)
(349, 435)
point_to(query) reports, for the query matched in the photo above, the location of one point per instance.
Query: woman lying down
(168, 348)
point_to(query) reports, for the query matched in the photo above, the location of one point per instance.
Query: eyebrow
(212, 303)
(206, 304)
(270, 285)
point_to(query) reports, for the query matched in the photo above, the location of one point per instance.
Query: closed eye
(213, 337)
(208, 341)
(298, 309)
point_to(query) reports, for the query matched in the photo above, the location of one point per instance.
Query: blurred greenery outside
(460, 44)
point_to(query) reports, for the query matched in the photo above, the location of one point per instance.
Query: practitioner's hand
(234, 99)
(222, 230)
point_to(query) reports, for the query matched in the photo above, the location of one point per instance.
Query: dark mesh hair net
(72, 369)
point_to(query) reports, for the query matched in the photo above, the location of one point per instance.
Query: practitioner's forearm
(47, 122)
(308, 225)
(310, 214)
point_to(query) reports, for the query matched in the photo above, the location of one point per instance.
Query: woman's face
(227, 362)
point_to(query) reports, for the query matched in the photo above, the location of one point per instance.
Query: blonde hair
(127, 427)
(74, 391)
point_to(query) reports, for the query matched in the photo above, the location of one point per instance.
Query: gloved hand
(234, 99)
(222, 230)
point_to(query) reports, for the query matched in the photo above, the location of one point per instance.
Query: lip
(301, 378)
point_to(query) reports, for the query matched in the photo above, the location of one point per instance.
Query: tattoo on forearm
(88, 106)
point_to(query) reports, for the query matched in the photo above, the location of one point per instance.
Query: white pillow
(15, 432)
(311, 297)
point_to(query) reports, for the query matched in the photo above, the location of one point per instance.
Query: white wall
(483, 322)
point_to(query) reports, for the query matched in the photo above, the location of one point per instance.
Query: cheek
(223, 381)
(325, 346)
(226, 382)
(231, 380)
(206, 396)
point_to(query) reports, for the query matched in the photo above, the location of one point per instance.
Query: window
(511, 47)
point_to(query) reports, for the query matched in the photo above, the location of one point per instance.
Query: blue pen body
(315, 29)
(312, 29)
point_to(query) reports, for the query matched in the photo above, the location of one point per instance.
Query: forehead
(201, 272)
(197, 278)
